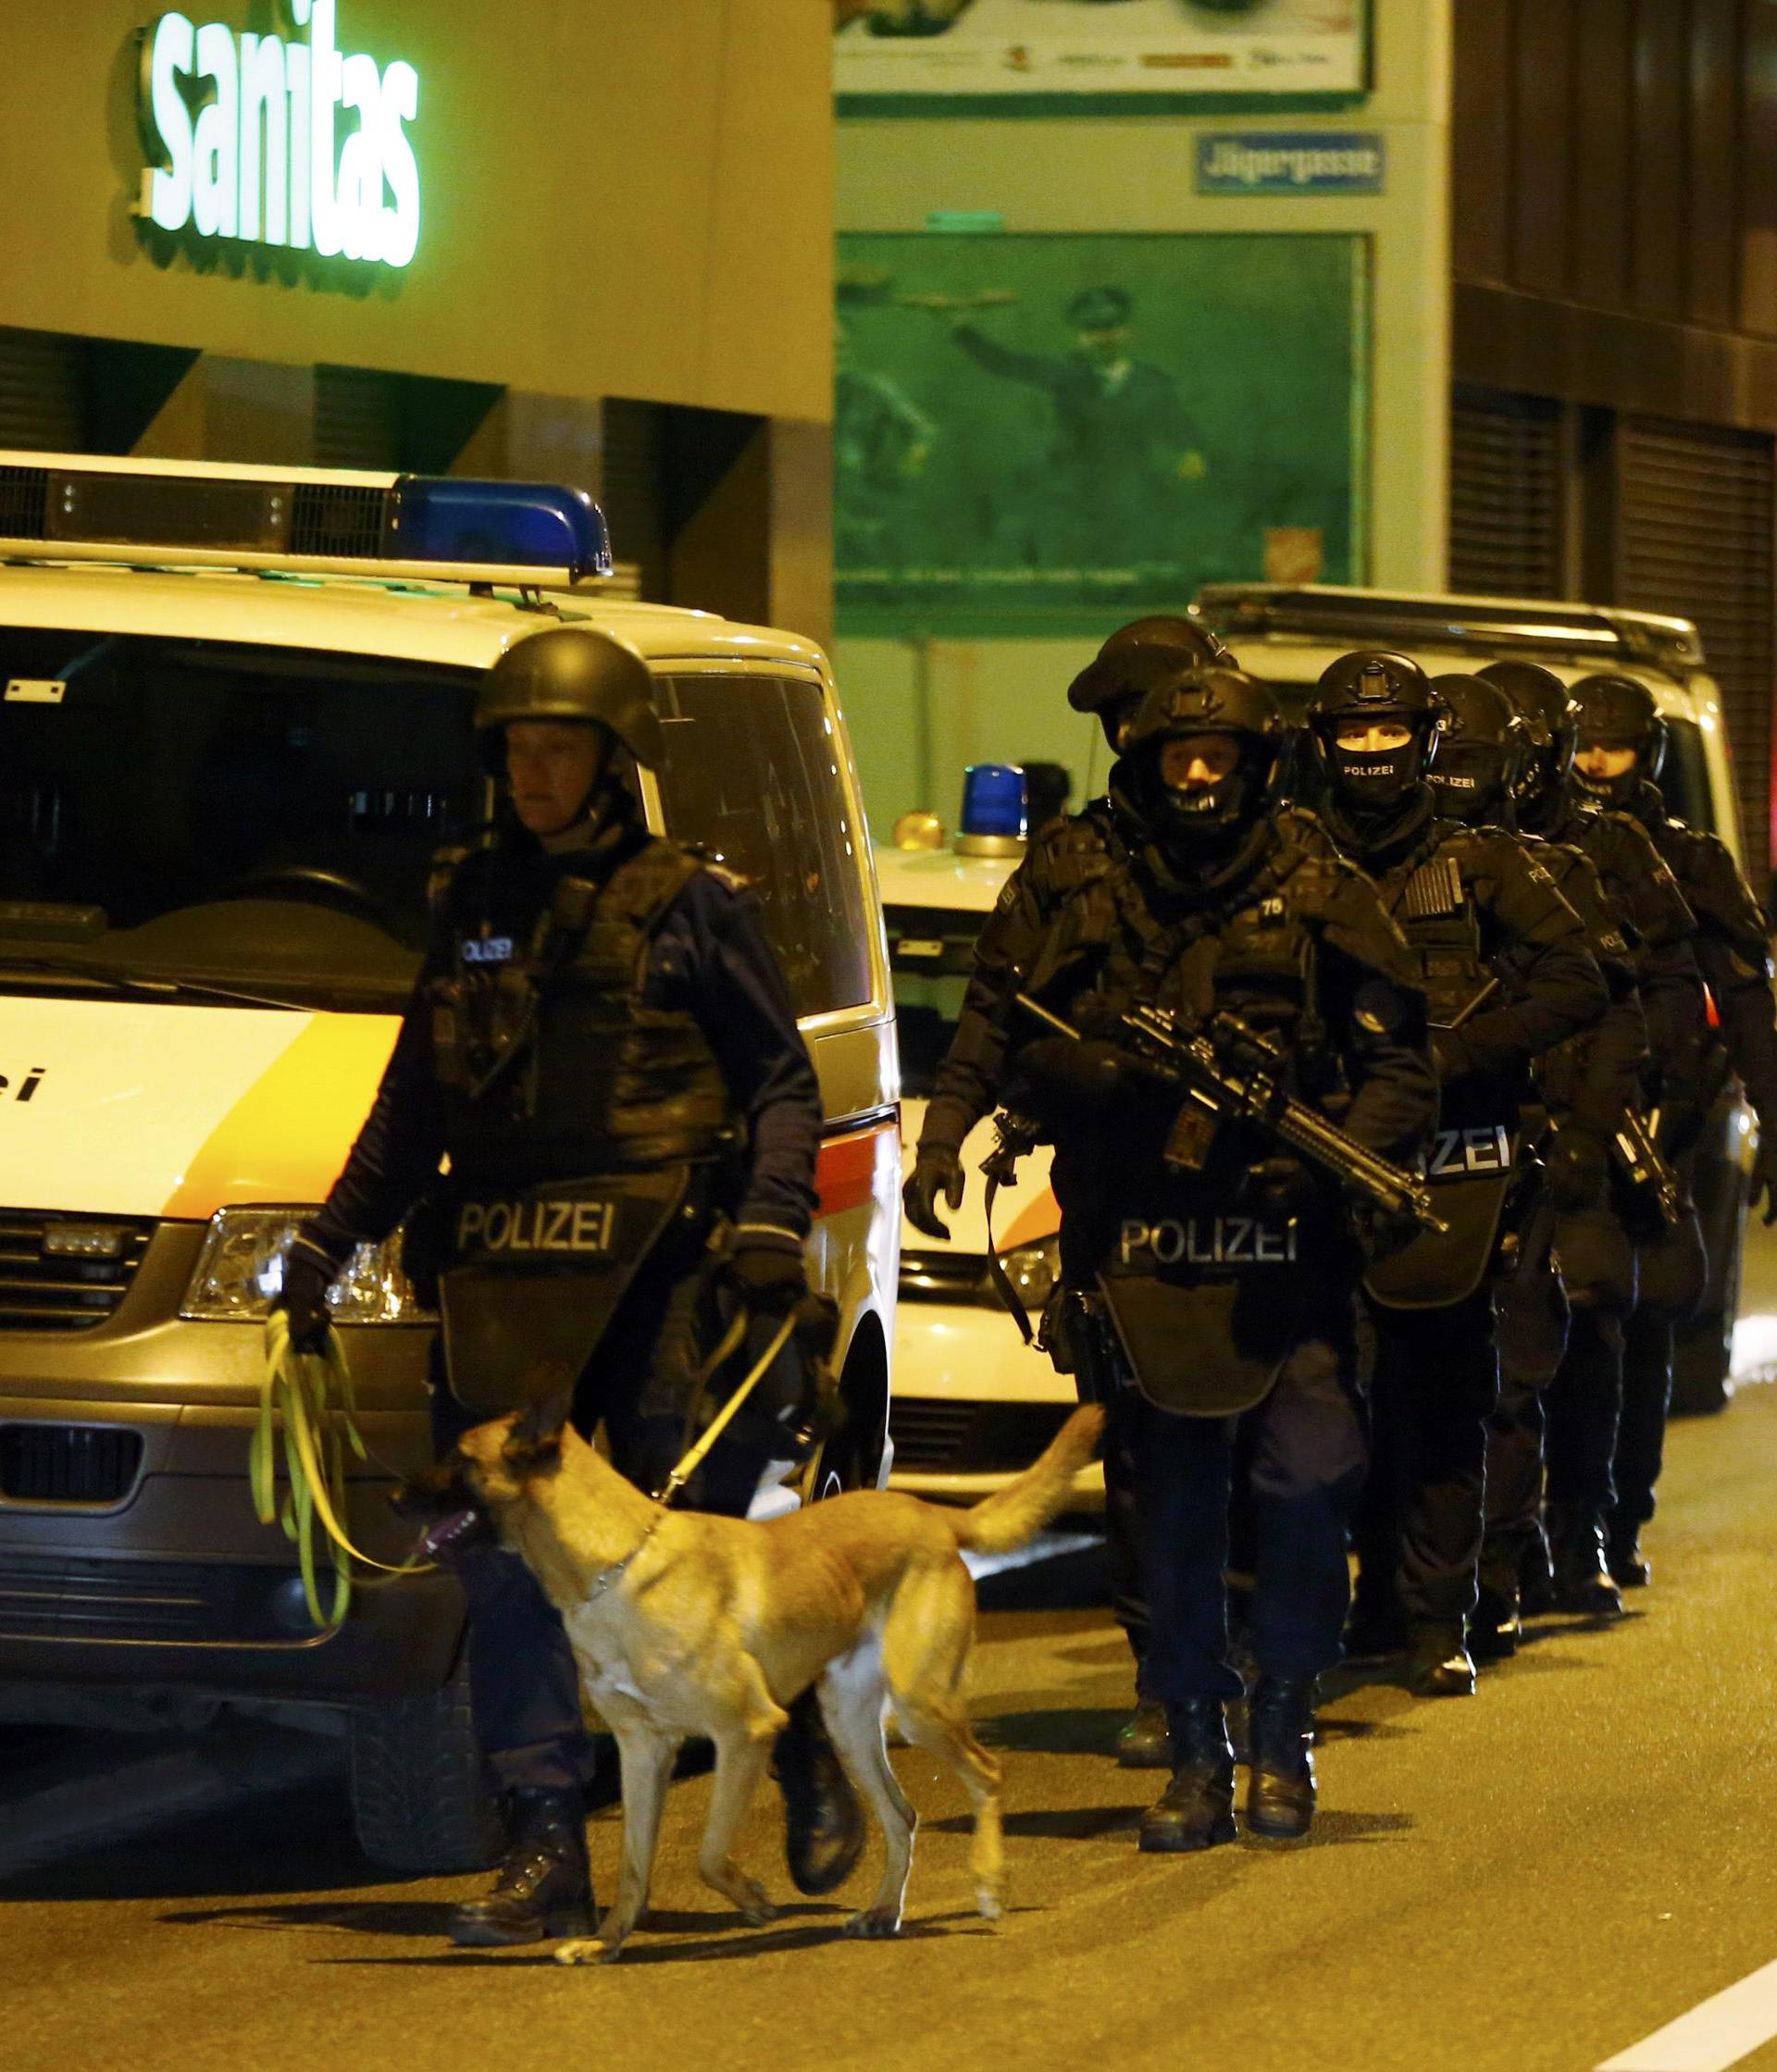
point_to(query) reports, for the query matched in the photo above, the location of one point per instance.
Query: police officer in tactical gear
(1621, 749)
(1112, 686)
(1216, 1273)
(1507, 972)
(1583, 1086)
(601, 1043)
(1114, 682)
(1595, 1253)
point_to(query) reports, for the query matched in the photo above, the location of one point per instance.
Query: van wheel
(420, 1799)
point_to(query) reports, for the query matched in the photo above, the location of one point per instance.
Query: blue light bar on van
(519, 525)
(993, 800)
(269, 519)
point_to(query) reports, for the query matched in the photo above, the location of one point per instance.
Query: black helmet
(1188, 701)
(1619, 712)
(1479, 751)
(1551, 724)
(1135, 657)
(1374, 685)
(570, 671)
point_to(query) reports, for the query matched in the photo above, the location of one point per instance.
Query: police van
(1288, 635)
(235, 729)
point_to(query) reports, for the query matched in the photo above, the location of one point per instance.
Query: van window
(264, 814)
(752, 775)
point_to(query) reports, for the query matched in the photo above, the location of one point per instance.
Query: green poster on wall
(1050, 434)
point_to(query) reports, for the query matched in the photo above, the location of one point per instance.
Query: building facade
(536, 239)
(1614, 337)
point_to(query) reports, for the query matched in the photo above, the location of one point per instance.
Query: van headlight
(240, 1273)
(1033, 1270)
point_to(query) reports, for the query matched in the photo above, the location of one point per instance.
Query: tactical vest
(1110, 948)
(1431, 900)
(549, 1064)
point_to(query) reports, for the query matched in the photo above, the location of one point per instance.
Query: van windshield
(931, 953)
(192, 811)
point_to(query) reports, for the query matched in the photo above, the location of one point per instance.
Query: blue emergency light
(70, 506)
(993, 810)
(519, 525)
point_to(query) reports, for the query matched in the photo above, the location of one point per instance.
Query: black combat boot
(1280, 1784)
(1143, 1742)
(1630, 1567)
(1196, 1810)
(1583, 1580)
(823, 1822)
(1535, 1580)
(1439, 1664)
(1497, 1625)
(545, 1887)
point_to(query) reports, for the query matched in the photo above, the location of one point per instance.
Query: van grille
(937, 1437)
(68, 1463)
(943, 1276)
(45, 1289)
(74, 1597)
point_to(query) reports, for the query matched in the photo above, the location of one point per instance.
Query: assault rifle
(1645, 1169)
(1228, 1072)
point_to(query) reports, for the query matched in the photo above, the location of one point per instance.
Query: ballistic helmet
(1483, 742)
(1551, 724)
(1375, 685)
(1193, 701)
(1619, 712)
(1137, 656)
(573, 673)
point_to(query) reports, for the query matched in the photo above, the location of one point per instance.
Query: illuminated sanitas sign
(263, 160)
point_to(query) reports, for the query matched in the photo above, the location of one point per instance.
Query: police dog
(683, 1624)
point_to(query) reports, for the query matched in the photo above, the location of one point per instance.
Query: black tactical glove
(766, 1272)
(936, 1170)
(1764, 1174)
(1278, 1189)
(302, 1298)
(1578, 1169)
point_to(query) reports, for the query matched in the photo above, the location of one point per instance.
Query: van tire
(420, 1800)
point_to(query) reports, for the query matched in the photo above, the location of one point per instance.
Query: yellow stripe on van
(287, 1136)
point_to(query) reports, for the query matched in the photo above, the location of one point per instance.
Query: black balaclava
(1619, 792)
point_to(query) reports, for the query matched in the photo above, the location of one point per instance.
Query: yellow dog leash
(310, 1396)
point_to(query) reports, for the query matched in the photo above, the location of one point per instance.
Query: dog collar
(608, 1578)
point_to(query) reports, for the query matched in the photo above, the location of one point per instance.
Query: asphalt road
(1539, 1878)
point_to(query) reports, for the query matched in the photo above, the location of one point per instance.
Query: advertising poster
(1045, 434)
(1099, 47)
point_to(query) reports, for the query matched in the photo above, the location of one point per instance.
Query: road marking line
(1717, 2033)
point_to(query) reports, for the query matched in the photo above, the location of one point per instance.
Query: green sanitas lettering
(261, 162)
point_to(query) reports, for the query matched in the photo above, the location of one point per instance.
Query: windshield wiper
(118, 981)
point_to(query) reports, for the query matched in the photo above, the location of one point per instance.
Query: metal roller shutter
(1694, 538)
(1505, 494)
(357, 418)
(42, 391)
